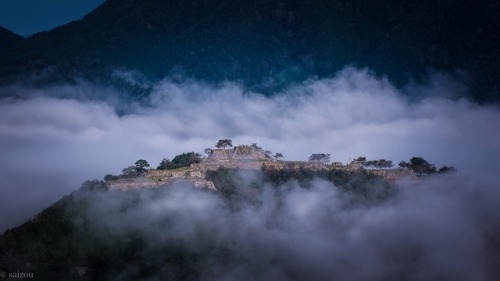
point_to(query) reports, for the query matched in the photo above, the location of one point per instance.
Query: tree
(268, 153)
(182, 160)
(278, 156)
(383, 164)
(223, 143)
(319, 157)
(369, 163)
(419, 165)
(377, 164)
(360, 159)
(255, 147)
(109, 177)
(194, 158)
(446, 169)
(130, 171)
(141, 165)
(208, 151)
(164, 164)
(388, 164)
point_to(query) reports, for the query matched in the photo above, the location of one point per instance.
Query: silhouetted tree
(223, 143)
(141, 165)
(446, 169)
(383, 164)
(130, 171)
(319, 157)
(268, 153)
(419, 165)
(360, 159)
(278, 156)
(164, 164)
(109, 177)
(255, 147)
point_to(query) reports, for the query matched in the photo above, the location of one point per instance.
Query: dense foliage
(420, 166)
(179, 161)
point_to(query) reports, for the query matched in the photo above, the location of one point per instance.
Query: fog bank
(442, 228)
(52, 139)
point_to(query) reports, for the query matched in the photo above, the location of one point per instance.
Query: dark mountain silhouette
(8, 40)
(267, 44)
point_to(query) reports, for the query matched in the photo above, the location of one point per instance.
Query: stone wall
(394, 174)
(196, 173)
(212, 165)
(160, 178)
(241, 152)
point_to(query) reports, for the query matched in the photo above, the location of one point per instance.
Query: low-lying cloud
(443, 228)
(52, 139)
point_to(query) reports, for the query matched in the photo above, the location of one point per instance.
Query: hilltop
(67, 240)
(208, 211)
(196, 169)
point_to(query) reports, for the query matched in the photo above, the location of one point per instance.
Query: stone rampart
(196, 173)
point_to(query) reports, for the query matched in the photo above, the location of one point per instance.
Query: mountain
(268, 44)
(291, 224)
(8, 40)
(261, 218)
(86, 235)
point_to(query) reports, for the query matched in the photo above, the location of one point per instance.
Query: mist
(54, 138)
(442, 228)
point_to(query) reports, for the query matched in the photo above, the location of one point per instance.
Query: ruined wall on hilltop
(298, 165)
(211, 164)
(239, 157)
(161, 178)
(394, 174)
(242, 157)
(240, 152)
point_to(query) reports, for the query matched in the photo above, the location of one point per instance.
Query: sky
(26, 17)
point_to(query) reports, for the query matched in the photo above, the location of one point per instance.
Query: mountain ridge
(270, 44)
(9, 39)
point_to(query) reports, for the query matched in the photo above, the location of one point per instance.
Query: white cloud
(438, 228)
(49, 144)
